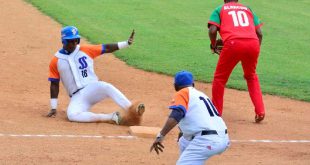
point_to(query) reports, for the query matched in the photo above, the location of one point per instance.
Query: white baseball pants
(201, 148)
(83, 100)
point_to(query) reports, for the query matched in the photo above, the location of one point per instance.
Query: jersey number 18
(83, 66)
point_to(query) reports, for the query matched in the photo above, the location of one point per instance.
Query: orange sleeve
(181, 98)
(93, 51)
(53, 70)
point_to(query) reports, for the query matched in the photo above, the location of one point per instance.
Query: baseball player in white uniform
(204, 131)
(73, 65)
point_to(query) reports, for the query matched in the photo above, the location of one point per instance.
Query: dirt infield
(28, 40)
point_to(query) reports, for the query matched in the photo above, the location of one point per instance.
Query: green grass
(172, 35)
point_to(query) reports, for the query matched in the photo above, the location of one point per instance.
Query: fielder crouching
(204, 131)
(74, 66)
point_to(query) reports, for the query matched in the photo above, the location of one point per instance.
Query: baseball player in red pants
(240, 31)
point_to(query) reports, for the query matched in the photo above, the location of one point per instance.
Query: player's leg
(191, 155)
(89, 117)
(98, 91)
(249, 62)
(78, 111)
(226, 63)
(102, 90)
(201, 148)
(183, 143)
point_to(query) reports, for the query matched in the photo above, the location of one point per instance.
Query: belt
(208, 132)
(75, 92)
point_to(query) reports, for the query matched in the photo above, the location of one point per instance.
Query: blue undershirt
(177, 113)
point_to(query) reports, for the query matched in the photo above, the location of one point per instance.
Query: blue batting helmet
(69, 33)
(183, 78)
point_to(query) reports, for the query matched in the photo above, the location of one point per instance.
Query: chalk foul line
(270, 141)
(68, 136)
(134, 137)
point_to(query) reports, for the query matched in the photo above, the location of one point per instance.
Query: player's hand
(51, 113)
(157, 146)
(212, 49)
(131, 38)
(215, 51)
(217, 48)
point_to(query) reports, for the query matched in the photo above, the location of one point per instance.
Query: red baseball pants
(235, 50)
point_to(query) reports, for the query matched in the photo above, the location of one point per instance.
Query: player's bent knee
(220, 80)
(250, 77)
(73, 117)
(105, 85)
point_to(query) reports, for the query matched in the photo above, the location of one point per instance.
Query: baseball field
(170, 36)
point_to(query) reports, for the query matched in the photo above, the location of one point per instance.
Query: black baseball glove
(217, 48)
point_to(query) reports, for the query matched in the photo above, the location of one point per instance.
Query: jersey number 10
(239, 18)
(211, 109)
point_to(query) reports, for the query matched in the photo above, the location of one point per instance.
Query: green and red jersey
(235, 20)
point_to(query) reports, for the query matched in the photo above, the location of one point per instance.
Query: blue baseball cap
(183, 78)
(69, 32)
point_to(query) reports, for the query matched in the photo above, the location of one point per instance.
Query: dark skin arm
(54, 91)
(212, 34)
(157, 146)
(259, 34)
(113, 46)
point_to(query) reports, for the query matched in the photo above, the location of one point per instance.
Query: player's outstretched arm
(54, 91)
(157, 144)
(120, 45)
(174, 118)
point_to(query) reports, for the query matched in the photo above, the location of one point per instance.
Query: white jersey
(75, 70)
(200, 113)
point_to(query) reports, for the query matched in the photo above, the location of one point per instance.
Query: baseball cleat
(259, 118)
(116, 117)
(140, 109)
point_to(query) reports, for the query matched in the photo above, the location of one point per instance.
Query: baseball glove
(218, 46)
